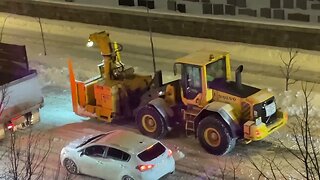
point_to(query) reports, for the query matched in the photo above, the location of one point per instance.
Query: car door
(91, 161)
(115, 163)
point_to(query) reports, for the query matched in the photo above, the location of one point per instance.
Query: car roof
(127, 141)
(201, 57)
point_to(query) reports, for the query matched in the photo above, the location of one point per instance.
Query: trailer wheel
(214, 136)
(151, 123)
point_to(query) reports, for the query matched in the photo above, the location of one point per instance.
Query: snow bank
(294, 103)
(51, 76)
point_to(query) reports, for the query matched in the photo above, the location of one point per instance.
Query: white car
(118, 155)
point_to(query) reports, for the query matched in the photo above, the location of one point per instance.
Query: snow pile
(51, 76)
(177, 154)
(288, 137)
(294, 103)
(84, 113)
(59, 76)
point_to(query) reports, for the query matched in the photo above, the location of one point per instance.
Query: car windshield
(152, 152)
(93, 139)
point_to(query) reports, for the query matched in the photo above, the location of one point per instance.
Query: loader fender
(223, 110)
(163, 108)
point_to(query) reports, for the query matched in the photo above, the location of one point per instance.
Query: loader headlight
(255, 114)
(89, 43)
(258, 121)
(161, 93)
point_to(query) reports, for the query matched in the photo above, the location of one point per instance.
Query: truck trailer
(20, 91)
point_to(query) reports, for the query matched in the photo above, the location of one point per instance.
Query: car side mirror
(81, 153)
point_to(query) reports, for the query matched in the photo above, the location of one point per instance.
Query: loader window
(191, 81)
(216, 71)
(193, 77)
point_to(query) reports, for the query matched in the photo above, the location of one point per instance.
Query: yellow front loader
(208, 103)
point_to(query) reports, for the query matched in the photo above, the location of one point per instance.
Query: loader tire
(151, 123)
(214, 136)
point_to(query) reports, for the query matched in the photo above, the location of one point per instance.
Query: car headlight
(64, 151)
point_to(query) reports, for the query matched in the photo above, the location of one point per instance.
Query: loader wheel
(214, 136)
(151, 123)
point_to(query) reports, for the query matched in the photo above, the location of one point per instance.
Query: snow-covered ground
(65, 40)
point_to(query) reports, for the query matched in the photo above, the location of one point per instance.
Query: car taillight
(169, 152)
(10, 126)
(144, 167)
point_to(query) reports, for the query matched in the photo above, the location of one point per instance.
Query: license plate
(270, 109)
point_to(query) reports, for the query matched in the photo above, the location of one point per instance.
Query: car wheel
(151, 123)
(70, 166)
(126, 177)
(214, 136)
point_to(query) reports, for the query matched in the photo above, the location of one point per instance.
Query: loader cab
(198, 72)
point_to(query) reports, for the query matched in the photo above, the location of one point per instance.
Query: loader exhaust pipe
(238, 76)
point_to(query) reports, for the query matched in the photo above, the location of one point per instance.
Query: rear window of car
(152, 152)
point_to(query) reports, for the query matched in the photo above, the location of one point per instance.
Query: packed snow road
(65, 40)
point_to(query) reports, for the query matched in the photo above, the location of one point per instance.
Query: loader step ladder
(189, 116)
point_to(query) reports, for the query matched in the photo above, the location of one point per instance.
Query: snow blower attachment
(107, 95)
